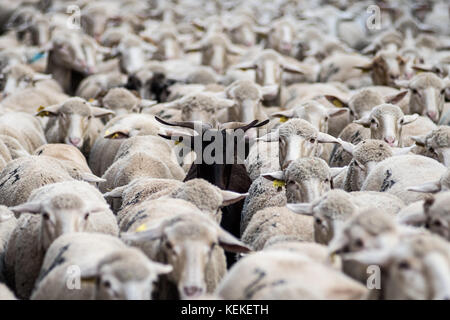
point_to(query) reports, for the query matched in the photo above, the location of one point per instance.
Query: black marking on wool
(254, 287)
(139, 216)
(58, 261)
(135, 199)
(387, 184)
(14, 174)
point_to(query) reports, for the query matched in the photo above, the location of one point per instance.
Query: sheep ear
(301, 208)
(41, 76)
(89, 177)
(377, 256)
(27, 207)
(143, 233)
(365, 68)
(262, 31)
(229, 243)
(410, 118)
(402, 83)
(273, 176)
(422, 68)
(333, 112)
(145, 103)
(428, 187)
(420, 140)
(161, 268)
(49, 111)
(4, 216)
(90, 274)
(244, 66)
(402, 151)
(269, 92)
(194, 47)
(115, 193)
(101, 112)
(283, 115)
(326, 138)
(270, 137)
(371, 48)
(347, 146)
(230, 197)
(336, 171)
(289, 67)
(226, 103)
(394, 99)
(338, 103)
(365, 122)
(118, 134)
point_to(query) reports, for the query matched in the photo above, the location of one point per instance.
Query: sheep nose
(432, 115)
(390, 140)
(192, 291)
(286, 46)
(75, 141)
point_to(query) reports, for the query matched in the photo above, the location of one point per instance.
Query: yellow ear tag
(40, 108)
(283, 119)
(278, 183)
(91, 100)
(141, 228)
(88, 280)
(177, 142)
(107, 132)
(419, 71)
(337, 103)
(115, 135)
(333, 257)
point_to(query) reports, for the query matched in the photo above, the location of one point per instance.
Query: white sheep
(109, 270)
(52, 210)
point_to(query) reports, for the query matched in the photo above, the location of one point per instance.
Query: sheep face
(64, 213)
(385, 122)
(427, 95)
(243, 34)
(116, 278)
(281, 37)
(438, 143)
(73, 119)
(438, 214)
(387, 67)
(19, 77)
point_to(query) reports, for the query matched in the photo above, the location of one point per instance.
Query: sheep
(73, 122)
(276, 221)
(109, 270)
(437, 142)
(172, 231)
(427, 94)
(386, 122)
(366, 155)
(297, 138)
(371, 229)
(437, 214)
(315, 251)
(94, 85)
(352, 133)
(142, 156)
(384, 201)
(423, 257)
(412, 215)
(200, 106)
(442, 184)
(286, 275)
(24, 128)
(72, 157)
(394, 175)
(122, 101)
(269, 66)
(54, 209)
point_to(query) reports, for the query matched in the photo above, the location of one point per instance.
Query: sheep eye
(372, 121)
(404, 265)
(437, 223)
(89, 117)
(312, 140)
(401, 121)
(352, 113)
(443, 91)
(86, 216)
(431, 149)
(359, 243)
(327, 180)
(46, 216)
(107, 284)
(326, 118)
(415, 91)
(318, 221)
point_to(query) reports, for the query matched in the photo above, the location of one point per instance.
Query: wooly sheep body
(423, 256)
(437, 213)
(412, 215)
(315, 251)
(74, 122)
(379, 200)
(394, 175)
(24, 128)
(286, 275)
(71, 206)
(275, 221)
(23, 175)
(7, 224)
(103, 260)
(94, 85)
(163, 226)
(122, 101)
(263, 157)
